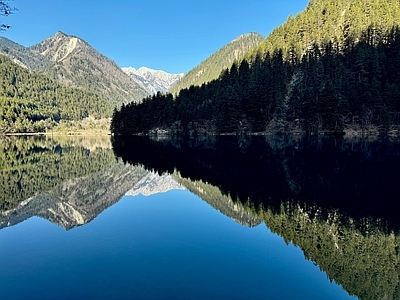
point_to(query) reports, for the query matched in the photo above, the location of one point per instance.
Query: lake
(194, 218)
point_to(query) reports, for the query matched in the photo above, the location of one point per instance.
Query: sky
(174, 36)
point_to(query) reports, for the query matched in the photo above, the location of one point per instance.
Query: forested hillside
(332, 86)
(33, 103)
(340, 22)
(212, 67)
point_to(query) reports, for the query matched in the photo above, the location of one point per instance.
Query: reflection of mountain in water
(331, 197)
(77, 201)
(31, 165)
(68, 182)
(213, 196)
(153, 183)
(332, 173)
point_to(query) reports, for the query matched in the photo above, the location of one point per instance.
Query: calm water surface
(166, 246)
(216, 218)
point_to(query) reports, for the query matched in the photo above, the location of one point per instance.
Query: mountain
(153, 81)
(212, 67)
(73, 62)
(332, 69)
(78, 64)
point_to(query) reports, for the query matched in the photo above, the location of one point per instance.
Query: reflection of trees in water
(357, 178)
(29, 165)
(365, 262)
(330, 196)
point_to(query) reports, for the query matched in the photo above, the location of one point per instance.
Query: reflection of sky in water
(167, 246)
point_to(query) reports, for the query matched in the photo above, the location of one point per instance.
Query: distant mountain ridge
(212, 67)
(153, 81)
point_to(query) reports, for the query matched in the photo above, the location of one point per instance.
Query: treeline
(330, 89)
(34, 103)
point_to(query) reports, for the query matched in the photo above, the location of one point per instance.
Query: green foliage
(324, 21)
(34, 103)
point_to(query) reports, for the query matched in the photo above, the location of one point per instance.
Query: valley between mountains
(330, 69)
(64, 84)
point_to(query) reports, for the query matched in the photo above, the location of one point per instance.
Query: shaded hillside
(212, 67)
(31, 102)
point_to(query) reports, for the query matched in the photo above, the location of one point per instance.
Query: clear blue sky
(174, 35)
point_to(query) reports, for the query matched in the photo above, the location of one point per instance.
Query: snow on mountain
(153, 80)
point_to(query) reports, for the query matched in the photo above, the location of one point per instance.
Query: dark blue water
(166, 246)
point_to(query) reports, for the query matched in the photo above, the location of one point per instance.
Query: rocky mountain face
(153, 81)
(72, 61)
(212, 67)
(78, 201)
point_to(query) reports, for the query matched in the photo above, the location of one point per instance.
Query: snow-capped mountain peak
(153, 80)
